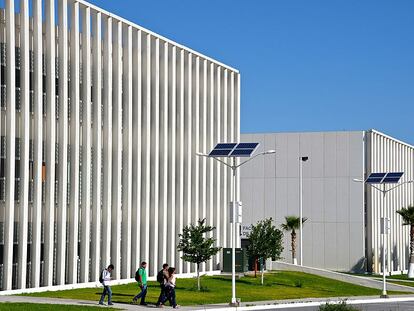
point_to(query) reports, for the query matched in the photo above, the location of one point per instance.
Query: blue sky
(305, 65)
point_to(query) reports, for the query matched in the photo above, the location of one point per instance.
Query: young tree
(265, 241)
(196, 247)
(407, 213)
(292, 223)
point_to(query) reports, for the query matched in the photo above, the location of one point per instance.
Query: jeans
(171, 296)
(107, 291)
(141, 294)
(162, 298)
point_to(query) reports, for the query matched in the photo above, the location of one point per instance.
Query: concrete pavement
(349, 278)
(405, 302)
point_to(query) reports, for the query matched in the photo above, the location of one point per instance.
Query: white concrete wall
(333, 236)
(387, 154)
(118, 177)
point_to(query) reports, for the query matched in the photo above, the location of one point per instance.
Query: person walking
(162, 278)
(141, 278)
(105, 279)
(170, 287)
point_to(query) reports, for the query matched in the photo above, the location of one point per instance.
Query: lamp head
(271, 151)
(200, 154)
(357, 180)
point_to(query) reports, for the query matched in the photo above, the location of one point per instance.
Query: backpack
(137, 275)
(101, 276)
(160, 277)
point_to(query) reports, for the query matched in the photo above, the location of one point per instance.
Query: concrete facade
(341, 232)
(100, 123)
(385, 153)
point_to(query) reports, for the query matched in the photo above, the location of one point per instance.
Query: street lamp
(234, 168)
(301, 160)
(383, 179)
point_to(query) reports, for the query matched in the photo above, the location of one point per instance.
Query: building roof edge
(132, 24)
(390, 137)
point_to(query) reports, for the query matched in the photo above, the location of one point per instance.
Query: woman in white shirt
(170, 287)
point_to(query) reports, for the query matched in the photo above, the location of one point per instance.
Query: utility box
(241, 260)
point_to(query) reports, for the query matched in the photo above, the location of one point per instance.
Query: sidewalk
(349, 278)
(257, 305)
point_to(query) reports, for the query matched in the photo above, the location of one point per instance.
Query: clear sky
(305, 65)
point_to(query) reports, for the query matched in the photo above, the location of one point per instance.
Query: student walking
(170, 287)
(162, 278)
(141, 278)
(105, 278)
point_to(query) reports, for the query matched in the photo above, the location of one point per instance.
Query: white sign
(245, 231)
(387, 225)
(239, 211)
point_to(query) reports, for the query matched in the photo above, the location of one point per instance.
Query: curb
(311, 304)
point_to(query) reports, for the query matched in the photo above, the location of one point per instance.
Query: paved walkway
(354, 279)
(257, 305)
(296, 304)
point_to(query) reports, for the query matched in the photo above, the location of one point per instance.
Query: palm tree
(292, 224)
(407, 213)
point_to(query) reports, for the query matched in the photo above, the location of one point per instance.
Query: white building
(343, 227)
(100, 123)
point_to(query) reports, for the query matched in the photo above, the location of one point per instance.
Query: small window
(2, 193)
(17, 169)
(17, 147)
(17, 78)
(16, 190)
(31, 86)
(3, 146)
(18, 99)
(44, 171)
(3, 75)
(3, 96)
(2, 167)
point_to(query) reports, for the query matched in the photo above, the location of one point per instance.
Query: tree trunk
(198, 277)
(255, 267)
(411, 263)
(293, 244)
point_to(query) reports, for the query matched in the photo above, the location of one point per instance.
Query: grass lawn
(34, 307)
(399, 279)
(411, 284)
(402, 277)
(217, 289)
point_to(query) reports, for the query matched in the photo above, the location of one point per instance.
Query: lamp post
(384, 192)
(301, 160)
(234, 168)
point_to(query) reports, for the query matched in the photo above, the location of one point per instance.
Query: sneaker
(134, 301)
(177, 307)
(101, 303)
(110, 304)
(160, 305)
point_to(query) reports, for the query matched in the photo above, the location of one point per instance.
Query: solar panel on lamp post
(234, 150)
(383, 179)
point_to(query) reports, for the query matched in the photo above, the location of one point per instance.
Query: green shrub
(337, 307)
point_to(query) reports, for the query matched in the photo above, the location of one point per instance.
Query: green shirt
(143, 273)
